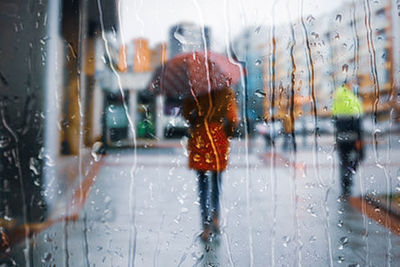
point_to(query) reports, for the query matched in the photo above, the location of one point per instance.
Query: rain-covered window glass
(199, 133)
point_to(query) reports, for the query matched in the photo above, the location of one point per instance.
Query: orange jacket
(209, 116)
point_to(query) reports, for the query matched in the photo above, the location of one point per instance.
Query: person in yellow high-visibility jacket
(347, 112)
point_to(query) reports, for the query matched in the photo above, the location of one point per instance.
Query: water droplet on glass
(337, 36)
(345, 68)
(107, 199)
(33, 166)
(316, 35)
(96, 151)
(310, 19)
(340, 259)
(286, 241)
(338, 18)
(340, 223)
(257, 30)
(111, 108)
(180, 37)
(47, 238)
(258, 62)
(260, 94)
(4, 141)
(36, 182)
(47, 257)
(342, 242)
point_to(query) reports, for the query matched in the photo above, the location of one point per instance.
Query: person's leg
(215, 193)
(346, 169)
(203, 195)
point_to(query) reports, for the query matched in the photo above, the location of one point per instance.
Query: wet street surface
(279, 208)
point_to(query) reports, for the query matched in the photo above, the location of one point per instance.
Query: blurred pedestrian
(212, 118)
(347, 113)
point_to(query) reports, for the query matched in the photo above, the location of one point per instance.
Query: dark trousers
(348, 163)
(209, 199)
(348, 133)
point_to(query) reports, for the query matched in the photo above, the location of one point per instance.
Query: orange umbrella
(195, 73)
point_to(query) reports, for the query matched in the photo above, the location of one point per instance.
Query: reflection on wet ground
(146, 211)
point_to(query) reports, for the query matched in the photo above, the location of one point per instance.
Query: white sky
(151, 19)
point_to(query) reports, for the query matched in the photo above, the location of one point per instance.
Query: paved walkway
(279, 209)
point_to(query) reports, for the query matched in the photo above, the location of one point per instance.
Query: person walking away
(347, 113)
(212, 118)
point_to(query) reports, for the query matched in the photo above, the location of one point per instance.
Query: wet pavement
(279, 208)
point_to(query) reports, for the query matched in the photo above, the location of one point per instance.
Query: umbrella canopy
(195, 73)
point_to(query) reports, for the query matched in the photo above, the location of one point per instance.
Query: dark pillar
(22, 71)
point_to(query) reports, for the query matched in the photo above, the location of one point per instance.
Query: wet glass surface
(199, 133)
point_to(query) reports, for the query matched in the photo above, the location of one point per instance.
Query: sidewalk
(281, 209)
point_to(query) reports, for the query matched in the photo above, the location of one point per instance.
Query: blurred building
(123, 73)
(46, 72)
(249, 49)
(305, 60)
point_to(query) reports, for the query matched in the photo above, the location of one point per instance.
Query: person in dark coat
(347, 112)
(212, 118)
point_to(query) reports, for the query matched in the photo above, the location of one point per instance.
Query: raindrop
(36, 182)
(49, 161)
(340, 223)
(197, 158)
(258, 62)
(4, 141)
(33, 166)
(345, 68)
(342, 242)
(180, 37)
(260, 94)
(107, 200)
(338, 18)
(310, 19)
(111, 108)
(47, 257)
(337, 36)
(47, 238)
(96, 151)
(286, 241)
(310, 209)
(316, 35)
(340, 259)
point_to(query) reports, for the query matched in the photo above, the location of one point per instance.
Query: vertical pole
(51, 139)
(159, 118)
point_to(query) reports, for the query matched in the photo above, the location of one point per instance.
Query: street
(279, 208)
